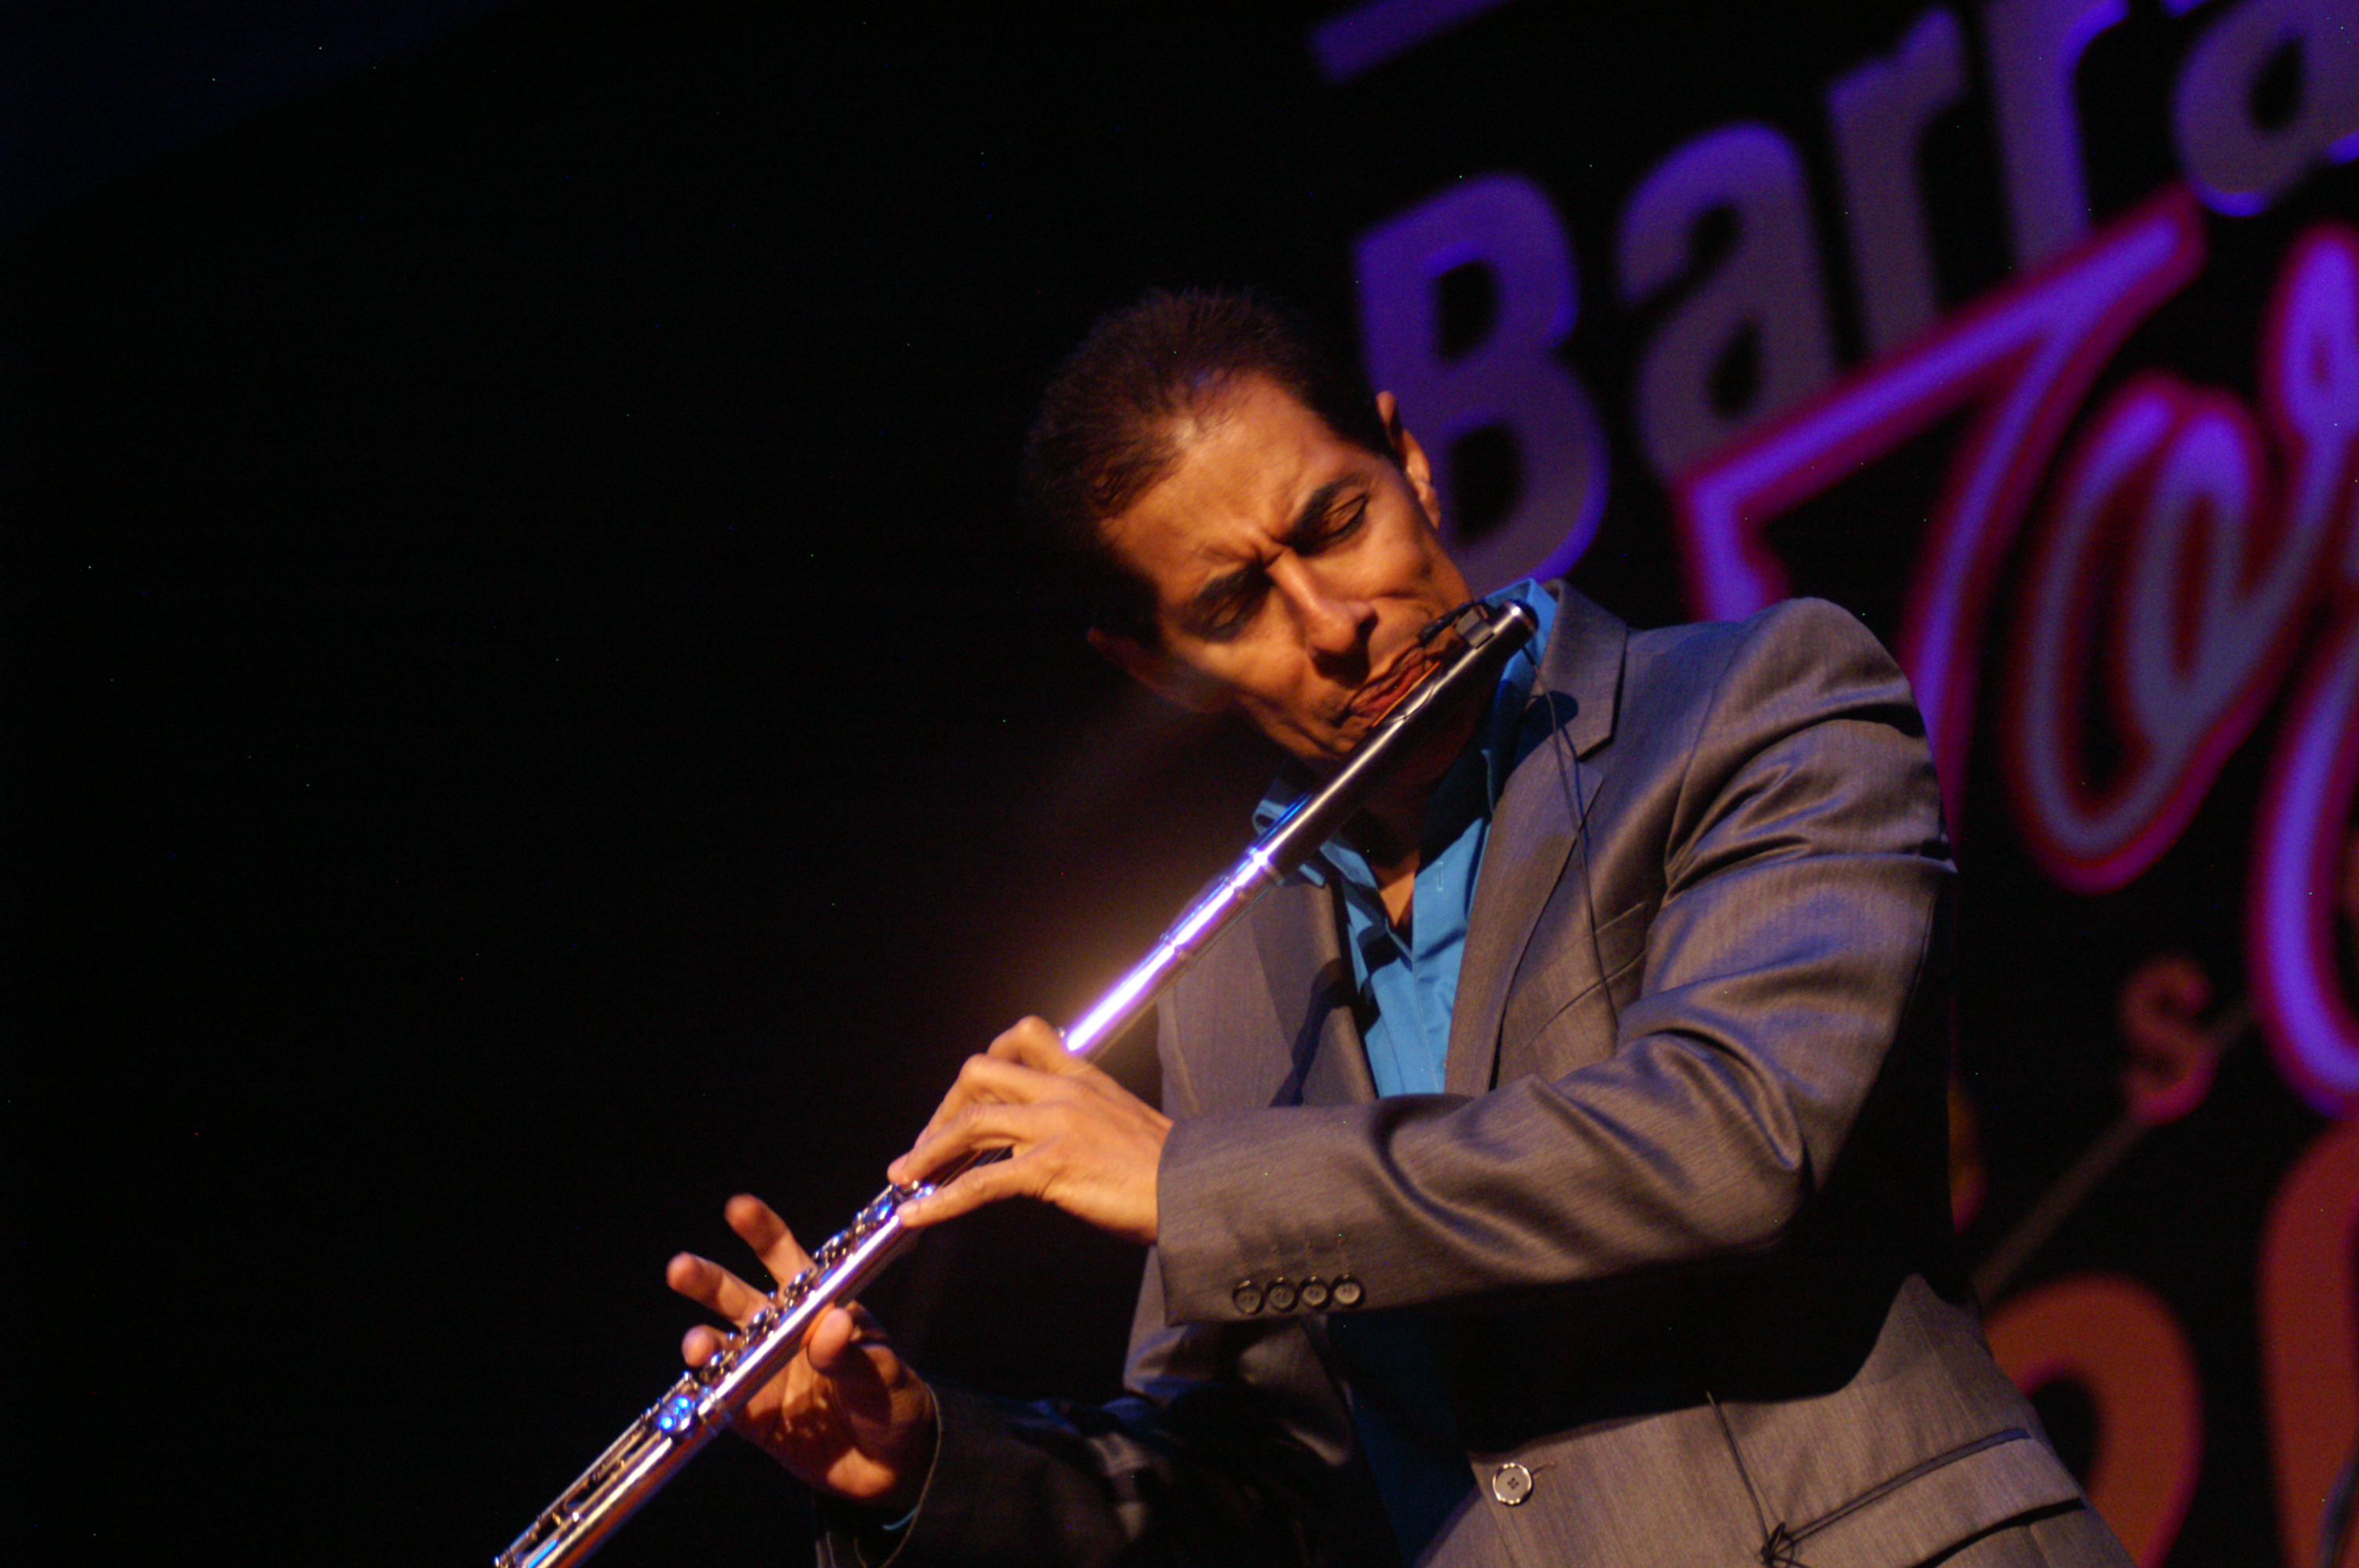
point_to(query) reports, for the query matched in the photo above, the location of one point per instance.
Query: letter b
(1509, 380)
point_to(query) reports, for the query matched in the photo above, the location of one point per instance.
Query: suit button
(1246, 1297)
(1281, 1294)
(1345, 1292)
(1511, 1483)
(1314, 1292)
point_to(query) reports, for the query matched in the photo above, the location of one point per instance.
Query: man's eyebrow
(1307, 518)
(1208, 599)
(1316, 506)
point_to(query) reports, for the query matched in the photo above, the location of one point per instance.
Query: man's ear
(1410, 456)
(1175, 682)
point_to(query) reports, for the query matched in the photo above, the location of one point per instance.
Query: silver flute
(692, 1410)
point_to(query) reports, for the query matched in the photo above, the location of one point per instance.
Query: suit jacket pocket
(1935, 1504)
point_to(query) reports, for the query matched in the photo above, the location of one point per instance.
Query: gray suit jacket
(1679, 1227)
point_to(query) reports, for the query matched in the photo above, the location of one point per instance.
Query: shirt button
(1246, 1297)
(1281, 1294)
(1345, 1292)
(1314, 1292)
(1511, 1483)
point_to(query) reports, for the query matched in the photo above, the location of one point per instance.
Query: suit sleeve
(1775, 801)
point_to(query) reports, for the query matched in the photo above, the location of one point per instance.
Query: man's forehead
(1248, 459)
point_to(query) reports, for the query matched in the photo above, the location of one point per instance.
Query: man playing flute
(1554, 1173)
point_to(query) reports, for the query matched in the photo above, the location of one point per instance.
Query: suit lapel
(1534, 831)
(1330, 1062)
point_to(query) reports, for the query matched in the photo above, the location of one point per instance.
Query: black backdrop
(534, 716)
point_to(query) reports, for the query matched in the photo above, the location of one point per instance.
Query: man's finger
(1031, 1046)
(986, 1124)
(1039, 1045)
(836, 1341)
(699, 1344)
(972, 1190)
(760, 1227)
(981, 1081)
(708, 1285)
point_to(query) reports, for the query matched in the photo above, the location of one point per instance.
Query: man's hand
(846, 1416)
(1077, 1139)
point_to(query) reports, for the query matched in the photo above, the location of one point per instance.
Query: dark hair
(1104, 435)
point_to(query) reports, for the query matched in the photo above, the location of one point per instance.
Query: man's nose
(1335, 620)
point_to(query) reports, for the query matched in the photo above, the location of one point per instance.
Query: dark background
(533, 714)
